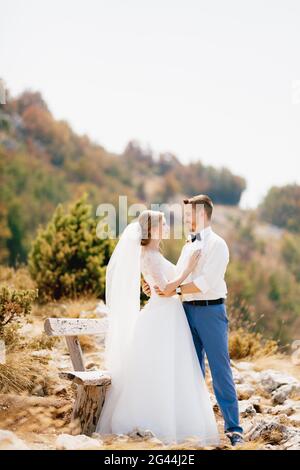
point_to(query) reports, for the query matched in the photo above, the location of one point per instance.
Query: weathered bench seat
(91, 384)
(92, 377)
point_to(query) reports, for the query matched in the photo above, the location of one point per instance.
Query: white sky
(203, 79)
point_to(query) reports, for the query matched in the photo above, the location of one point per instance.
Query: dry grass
(244, 344)
(280, 362)
(66, 308)
(251, 445)
(22, 372)
(25, 414)
(88, 344)
(42, 341)
(16, 278)
(12, 337)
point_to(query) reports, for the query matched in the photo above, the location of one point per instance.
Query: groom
(203, 296)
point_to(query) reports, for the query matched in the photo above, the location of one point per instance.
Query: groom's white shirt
(209, 273)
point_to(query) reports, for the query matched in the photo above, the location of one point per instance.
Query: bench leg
(88, 405)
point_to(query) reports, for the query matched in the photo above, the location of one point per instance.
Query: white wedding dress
(162, 388)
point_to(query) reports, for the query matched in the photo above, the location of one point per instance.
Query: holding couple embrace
(156, 355)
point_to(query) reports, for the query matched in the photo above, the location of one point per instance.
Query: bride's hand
(146, 288)
(193, 261)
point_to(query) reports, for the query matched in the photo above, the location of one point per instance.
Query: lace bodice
(156, 269)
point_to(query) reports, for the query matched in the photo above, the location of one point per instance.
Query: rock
(270, 431)
(293, 443)
(271, 380)
(244, 391)
(92, 366)
(285, 391)
(60, 361)
(248, 423)
(246, 408)
(59, 389)
(101, 309)
(237, 377)
(281, 409)
(38, 391)
(296, 419)
(242, 366)
(251, 377)
(256, 402)
(44, 353)
(80, 442)
(9, 441)
(155, 441)
(275, 433)
(121, 437)
(144, 434)
(272, 447)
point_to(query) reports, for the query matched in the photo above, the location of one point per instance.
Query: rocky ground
(268, 391)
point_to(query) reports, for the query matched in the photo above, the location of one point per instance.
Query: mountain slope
(44, 162)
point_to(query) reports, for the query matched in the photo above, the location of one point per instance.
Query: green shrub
(14, 304)
(290, 250)
(67, 258)
(281, 207)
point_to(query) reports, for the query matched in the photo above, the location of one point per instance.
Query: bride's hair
(149, 219)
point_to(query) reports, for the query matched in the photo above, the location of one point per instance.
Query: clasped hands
(147, 290)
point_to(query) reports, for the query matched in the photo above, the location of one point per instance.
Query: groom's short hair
(204, 200)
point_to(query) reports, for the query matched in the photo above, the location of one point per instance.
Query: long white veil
(122, 296)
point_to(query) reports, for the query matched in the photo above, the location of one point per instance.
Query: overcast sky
(203, 79)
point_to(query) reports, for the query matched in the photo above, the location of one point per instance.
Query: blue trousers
(209, 327)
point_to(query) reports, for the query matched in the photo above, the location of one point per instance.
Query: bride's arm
(170, 286)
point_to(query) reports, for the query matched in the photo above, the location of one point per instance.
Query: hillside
(44, 162)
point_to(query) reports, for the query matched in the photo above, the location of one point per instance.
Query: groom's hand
(146, 288)
(162, 294)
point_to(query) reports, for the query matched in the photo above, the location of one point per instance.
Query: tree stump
(88, 406)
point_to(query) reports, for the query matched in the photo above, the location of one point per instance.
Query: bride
(157, 383)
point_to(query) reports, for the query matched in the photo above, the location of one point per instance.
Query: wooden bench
(91, 385)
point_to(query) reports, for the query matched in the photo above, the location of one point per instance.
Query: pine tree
(67, 258)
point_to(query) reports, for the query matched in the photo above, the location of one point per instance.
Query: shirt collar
(205, 232)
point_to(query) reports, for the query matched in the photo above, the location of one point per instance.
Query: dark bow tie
(195, 236)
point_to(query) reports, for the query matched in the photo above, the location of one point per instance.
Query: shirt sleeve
(180, 261)
(214, 268)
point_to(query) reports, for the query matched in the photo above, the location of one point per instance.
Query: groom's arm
(213, 270)
(189, 288)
